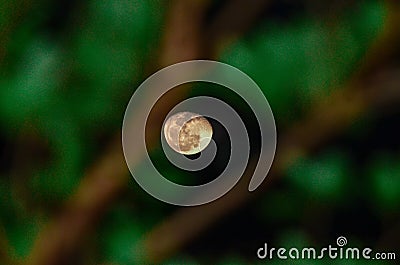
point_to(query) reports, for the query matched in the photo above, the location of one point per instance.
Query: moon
(188, 133)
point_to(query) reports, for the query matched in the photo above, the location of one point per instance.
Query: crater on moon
(188, 133)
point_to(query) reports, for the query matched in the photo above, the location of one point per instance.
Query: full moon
(188, 133)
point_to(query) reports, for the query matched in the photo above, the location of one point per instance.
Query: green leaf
(21, 234)
(33, 87)
(119, 237)
(323, 177)
(384, 174)
(296, 63)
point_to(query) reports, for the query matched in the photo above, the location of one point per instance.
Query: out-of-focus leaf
(61, 177)
(323, 177)
(34, 87)
(119, 237)
(21, 234)
(367, 21)
(303, 61)
(385, 180)
(108, 56)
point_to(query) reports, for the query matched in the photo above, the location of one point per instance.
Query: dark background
(330, 71)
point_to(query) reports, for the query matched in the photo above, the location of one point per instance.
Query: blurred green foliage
(118, 240)
(323, 178)
(384, 174)
(305, 59)
(69, 86)
(71, 89)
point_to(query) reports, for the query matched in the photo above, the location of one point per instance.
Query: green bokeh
(68, 70)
